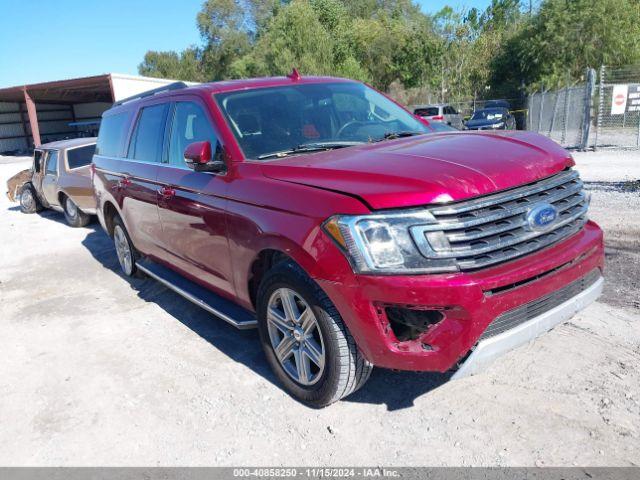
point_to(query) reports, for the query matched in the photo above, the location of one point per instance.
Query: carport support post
(33, 118)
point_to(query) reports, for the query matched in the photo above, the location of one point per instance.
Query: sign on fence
(634, 98)
(619, 99)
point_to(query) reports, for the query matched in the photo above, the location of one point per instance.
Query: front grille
(533, 309)
(493, 229)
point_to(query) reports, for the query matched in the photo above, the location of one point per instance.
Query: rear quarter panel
(76, 183)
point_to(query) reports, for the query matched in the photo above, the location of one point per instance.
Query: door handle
(123, 183)
(166, 192)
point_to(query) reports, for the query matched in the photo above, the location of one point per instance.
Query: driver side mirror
(198, 157)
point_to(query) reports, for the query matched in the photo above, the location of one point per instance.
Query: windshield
(328, 115)
(494, 114)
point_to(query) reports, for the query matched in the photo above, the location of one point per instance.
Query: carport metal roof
(98, 88)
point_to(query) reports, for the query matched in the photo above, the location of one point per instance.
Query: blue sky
(43, 40)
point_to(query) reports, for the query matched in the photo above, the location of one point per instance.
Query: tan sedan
(60, 179)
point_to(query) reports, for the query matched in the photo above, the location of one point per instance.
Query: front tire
(73, 215)
(306, 343)
(126, 252)
(29, 202)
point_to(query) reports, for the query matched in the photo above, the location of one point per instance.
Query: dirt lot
(98, 370)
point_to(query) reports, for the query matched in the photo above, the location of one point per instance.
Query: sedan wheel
(26, 199)
(71, 208)
(74, 216)
(295, 336)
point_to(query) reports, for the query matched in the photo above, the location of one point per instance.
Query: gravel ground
(613, 178)
(99, 370)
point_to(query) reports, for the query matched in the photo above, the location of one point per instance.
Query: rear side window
(80, 157)
(190, 124)
(426, 112)
(146, 142)
(111, 138)
(52, 162)
(450, 111)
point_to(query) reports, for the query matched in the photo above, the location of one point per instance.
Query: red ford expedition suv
(343, 227)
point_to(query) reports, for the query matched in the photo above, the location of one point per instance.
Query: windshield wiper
(307, 148)
(394, 135)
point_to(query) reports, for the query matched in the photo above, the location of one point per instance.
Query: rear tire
(318, 361)
(125, 251)
(73, 215)
(29, 202)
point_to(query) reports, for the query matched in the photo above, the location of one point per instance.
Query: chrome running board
(228, 311)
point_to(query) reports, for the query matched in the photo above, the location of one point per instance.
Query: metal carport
(43, 112)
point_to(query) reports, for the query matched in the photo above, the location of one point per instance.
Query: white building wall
(125, 86)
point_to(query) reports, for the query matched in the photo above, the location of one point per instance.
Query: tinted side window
(52, 162)
(80, 157)
(190, 124)
(146, 142)
(111, 138)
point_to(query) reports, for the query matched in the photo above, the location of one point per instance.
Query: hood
(434, 168)
(482, 122)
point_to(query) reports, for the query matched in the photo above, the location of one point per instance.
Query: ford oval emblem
(542, 216)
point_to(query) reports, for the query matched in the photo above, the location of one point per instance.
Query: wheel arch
(265, 260)
(61, 196)
(109, 212)
(317, 257)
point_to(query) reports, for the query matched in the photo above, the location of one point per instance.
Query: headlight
(497, 125)
(383, 243)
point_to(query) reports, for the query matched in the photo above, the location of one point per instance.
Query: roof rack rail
(155, 91)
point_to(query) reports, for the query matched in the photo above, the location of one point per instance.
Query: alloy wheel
(123, 250)
(295, 336)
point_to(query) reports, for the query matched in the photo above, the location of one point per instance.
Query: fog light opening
(408, 323)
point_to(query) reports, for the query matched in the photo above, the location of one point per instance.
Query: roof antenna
(295, 75)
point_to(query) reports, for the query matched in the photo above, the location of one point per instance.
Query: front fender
(299, 237)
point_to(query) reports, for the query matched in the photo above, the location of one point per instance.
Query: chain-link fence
(605, 114)
(617, 122)
(563, 115)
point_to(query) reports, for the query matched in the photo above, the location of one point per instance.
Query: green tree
(458, 54)
(565, 37)
(229, 29)
(292, 38)
(186, 65)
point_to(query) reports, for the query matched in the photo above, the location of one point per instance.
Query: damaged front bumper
(464, 306)
(491, 347)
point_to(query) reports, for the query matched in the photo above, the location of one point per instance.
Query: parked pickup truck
(340, 225)
(59, 178)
